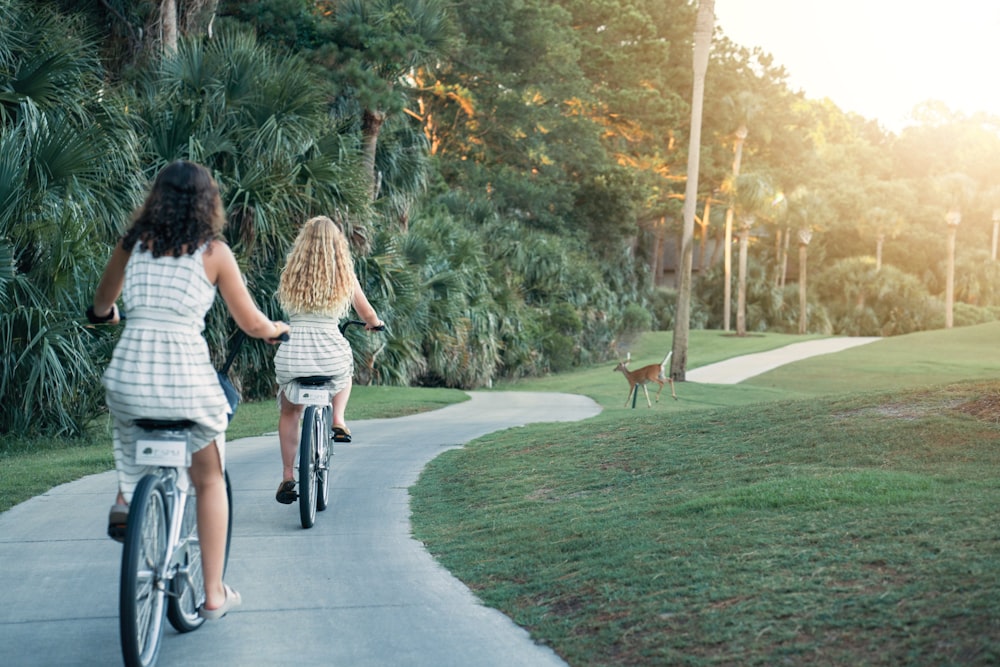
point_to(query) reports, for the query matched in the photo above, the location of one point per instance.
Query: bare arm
(110, 287)
(221, 268)
(364, 309)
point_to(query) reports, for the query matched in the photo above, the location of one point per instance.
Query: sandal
(286, 492)
(341, 433)
(233, 600)
(117, 522)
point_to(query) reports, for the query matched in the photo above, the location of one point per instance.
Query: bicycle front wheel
(323, 453)
(307, 468)
(141, 595)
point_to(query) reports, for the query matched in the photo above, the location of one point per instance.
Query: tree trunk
(879, 241)
(705, 219)
(784, 258)
(949, 290)
(741, 292)
(803, 314)
(704, 25)
(741, 135)
(168, 24)
(371, 126)
(727, 287)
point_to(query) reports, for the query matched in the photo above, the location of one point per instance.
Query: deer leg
(646, 391)
(672, 392)
(630, 390)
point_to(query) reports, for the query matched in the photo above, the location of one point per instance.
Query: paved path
(356, 590)
(738, 369)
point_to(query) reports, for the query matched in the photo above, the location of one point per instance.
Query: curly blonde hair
(319, 273)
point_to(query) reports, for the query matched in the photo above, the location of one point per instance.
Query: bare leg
(213, 520)
(288, 436)
(340, 405)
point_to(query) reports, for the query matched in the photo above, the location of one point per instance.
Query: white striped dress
(161, 368)
(315, 347)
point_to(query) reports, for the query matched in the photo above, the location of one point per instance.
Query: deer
(652, 373)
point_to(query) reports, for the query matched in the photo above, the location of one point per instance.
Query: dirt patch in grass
(986, 408)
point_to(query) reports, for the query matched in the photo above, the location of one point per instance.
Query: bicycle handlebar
(348, 323)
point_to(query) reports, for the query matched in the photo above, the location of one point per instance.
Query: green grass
(847, 517)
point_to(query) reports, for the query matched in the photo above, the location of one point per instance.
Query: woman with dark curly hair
(167, 269)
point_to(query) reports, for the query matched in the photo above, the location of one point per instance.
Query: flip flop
(341, 434)
(286, 493)
(117, 522)
(233, 600)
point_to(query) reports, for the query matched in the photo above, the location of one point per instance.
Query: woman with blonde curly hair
(317, 288)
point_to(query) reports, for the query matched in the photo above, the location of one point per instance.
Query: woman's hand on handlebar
(377, 325)
(281, 333)
(110, 317)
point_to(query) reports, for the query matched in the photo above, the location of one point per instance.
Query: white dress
(161, 368)
(315, 346)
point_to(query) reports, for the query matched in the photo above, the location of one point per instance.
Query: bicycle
(315, 442)
(161, 569)
(161, 572)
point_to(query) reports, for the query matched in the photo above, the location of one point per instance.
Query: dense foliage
(513, 172)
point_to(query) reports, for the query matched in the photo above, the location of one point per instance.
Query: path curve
(355, 590)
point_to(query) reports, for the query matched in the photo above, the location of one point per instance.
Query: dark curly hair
(182, 212)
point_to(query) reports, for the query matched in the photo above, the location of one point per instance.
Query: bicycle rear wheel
(323, 452)
(187, 588)
(307, 468)
(140, 596)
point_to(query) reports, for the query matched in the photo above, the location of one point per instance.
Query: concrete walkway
(355, 590)
(738, 369)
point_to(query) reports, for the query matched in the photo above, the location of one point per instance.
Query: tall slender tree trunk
(803, 303)
(741, 135)
(706, 217)
(704, 24)
(371, 126)
(727, 269)
(168, 24)
(741, 292)
(949, 290)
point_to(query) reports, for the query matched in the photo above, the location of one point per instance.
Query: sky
(878, 58)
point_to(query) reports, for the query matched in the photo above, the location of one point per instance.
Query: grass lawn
(840, 510)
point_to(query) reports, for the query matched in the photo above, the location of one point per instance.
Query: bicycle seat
(314, 380)
(164, 424)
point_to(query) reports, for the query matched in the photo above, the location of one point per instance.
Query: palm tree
(749, 194)
(742, 109)
(383, 42)
(992, 198)
(260, 122)
(956, 190)
(702, 43)
(805, 235)
(68, 178)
